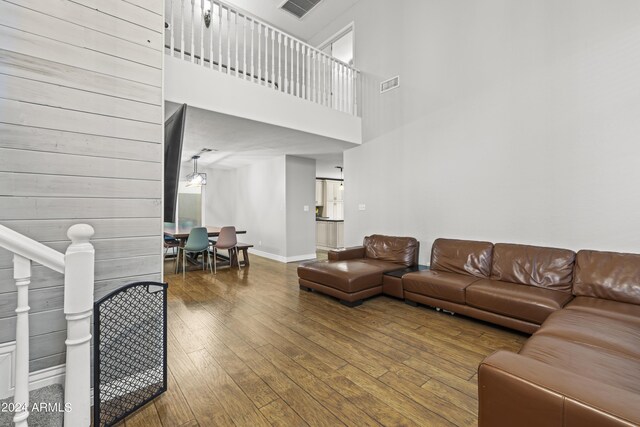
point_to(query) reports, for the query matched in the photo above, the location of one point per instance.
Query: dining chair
(197, 242)
(170, 243)
(227, 240)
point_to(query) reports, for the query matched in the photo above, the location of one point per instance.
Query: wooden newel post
(78, 307)
(22, 276)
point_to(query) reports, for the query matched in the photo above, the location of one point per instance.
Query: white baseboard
(281, 258)
(38, 379)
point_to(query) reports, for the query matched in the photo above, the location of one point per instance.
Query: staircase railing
(77, 265)
(216, 35)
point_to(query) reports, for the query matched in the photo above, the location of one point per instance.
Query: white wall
(300, 193)
(266, 199)
(515, 121)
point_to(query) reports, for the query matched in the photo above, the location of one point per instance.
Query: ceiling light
(196, 179)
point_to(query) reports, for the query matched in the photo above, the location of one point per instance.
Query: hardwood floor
(249, 348)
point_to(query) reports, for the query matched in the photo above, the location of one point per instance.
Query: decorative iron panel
(130, 350)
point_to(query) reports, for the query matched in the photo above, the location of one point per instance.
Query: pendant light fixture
(196, 179)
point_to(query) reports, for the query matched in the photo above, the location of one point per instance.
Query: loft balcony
(222, 59)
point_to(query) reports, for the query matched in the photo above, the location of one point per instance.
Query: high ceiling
(318, 18)
(237, 141)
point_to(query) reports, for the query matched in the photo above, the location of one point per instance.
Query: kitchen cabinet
(320, 186)
(329, 234)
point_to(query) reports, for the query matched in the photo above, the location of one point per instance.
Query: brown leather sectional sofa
(581, 367)
(356, 273)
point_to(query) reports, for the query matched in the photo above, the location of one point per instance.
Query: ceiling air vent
(389, 84)
(299, 8)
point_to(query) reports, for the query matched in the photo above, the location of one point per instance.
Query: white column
(78, 307)
(193, 13)
(22, 276)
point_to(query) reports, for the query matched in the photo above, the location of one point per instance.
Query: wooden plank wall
(80, 141)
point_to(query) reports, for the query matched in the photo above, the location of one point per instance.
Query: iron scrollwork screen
(130, 350)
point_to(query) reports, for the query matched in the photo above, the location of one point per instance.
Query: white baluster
(291, 80)
(259, 53)
(314, 71)
(244, 47)
(280, 87)
(219, 37)
(22, 276)
(182, 29)
(252, 52)
(202, 33)
(286, 49)
(266, 55)
(193, 14)
(273, 59)
(326, 90)
(340, 87)
(236, 45)
(355, 93)
(304, 72)
(228, 40)
(78, 307)
(171, 32)
(211, 35)
(298, 69)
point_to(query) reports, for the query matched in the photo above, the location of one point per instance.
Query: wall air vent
(299, 8)
(389, 84)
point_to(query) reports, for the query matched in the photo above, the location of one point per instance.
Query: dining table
(181, 233)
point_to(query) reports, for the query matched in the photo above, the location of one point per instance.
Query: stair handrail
(31, 249)
(77, 265)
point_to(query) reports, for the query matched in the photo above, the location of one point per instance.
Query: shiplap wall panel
(64, 207)
(80, 141)
(25, 114)
(31, 67)
(35, 92)
(35, 185)
(53, 50)
(41, 323)
(51, 297)
(101, 22)
(151, 19)
(69, 164)
(55, 230)
(41, 23)
(56, 141)
(150, 5)
(105, 249)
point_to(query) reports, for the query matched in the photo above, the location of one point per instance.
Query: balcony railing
(213, 34)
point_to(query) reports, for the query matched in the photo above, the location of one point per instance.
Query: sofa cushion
(462, 257)
(438, 284)
(399, 250)
(548, 268)
(347, 276)
(606, 308)
(609, 275)
(595, 330)
(602, 365)
(528, 303)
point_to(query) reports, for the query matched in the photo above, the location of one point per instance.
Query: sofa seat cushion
(438, 284)
(599, 364)
(386, 266)
(594, 330)
(523, 302)
(347, 276)
(606, 308)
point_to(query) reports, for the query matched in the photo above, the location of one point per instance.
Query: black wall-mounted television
(173, 136)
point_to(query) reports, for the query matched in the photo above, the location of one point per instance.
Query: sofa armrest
(353, 252)
(517, 390)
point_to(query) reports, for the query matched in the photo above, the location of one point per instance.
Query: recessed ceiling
(237, 142)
